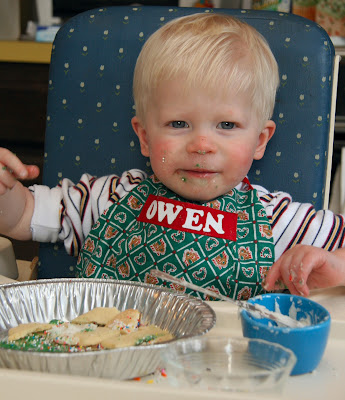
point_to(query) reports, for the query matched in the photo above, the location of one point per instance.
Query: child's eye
(226, 125)
(179, 124)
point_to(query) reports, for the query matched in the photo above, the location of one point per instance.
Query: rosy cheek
(243, 155)
(162, 149)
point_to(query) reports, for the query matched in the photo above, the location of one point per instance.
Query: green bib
(224, 245)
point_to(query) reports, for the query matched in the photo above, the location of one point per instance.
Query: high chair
(90, 104)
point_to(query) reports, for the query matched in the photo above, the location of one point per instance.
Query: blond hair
(208, 50)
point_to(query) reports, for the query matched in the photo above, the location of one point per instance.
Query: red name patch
(189, 217)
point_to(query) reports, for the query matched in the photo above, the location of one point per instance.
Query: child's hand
(16, 201)
(11, 169)
(303, 268)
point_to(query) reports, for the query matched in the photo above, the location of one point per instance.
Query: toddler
(204, 90)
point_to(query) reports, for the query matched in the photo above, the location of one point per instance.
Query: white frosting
(293, 310)
(65, 333)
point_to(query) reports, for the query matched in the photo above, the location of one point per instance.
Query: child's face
(200, 146)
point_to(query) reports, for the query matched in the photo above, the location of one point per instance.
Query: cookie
(93, 338)
(126, 321)
(164, 338)
(81, 334)
(99, 316)
(23, 330)
(67, 333)
(143, 335)
(86, 333)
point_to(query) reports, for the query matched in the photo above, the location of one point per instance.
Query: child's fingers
(273, 276)
(11, 163)
(32, 171)
(298, 278)
(7, 179)
(288, 272)
(291, 269)
(13, 168)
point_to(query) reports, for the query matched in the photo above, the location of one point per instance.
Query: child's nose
(201, 144)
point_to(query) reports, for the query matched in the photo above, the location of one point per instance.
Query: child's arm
(16, 201)
(303, 268)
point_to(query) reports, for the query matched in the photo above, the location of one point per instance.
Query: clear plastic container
(228, 364)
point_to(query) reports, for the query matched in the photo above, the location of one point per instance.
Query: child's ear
(142, 135)
(265, 135)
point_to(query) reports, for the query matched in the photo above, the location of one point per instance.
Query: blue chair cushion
(90, 103)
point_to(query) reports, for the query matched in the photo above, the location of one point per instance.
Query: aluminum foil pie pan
(44, 300)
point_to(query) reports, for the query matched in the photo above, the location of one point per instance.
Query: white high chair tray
(327, 381)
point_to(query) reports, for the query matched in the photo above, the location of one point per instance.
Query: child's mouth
(199, 173)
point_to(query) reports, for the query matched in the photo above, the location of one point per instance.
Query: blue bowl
(308, 343)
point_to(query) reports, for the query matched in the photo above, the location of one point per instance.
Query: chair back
(90, 104)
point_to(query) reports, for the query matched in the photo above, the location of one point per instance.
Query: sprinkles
(67, 337)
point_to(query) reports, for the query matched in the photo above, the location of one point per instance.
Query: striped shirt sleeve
(74, 208)
(299, 223)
